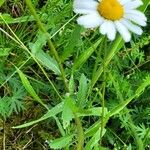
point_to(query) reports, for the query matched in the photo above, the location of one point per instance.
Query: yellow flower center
(110, 9)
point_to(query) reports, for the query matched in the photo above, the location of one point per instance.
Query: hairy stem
(50, 44)
(80, 134)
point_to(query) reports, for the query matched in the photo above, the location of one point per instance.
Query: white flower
(111, 16)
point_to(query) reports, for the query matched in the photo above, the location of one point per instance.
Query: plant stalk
(80, 134)
(50, 44)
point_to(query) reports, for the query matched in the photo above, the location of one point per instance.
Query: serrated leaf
(67, 113)
(4, 107)
(15, 105)
(82, 90)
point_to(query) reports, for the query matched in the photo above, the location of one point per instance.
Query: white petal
(108, 28)
(84, 6)
(90, 21)
(135, 19)
(103, 28)
(84, 11)
(133, 4)
(130, 26)
(123, 2)
(136, 13)
(111, 30)
(123, 31)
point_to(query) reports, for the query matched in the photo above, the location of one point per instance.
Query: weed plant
(66, 87)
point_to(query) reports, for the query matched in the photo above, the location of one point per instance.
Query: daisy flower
(111, 16)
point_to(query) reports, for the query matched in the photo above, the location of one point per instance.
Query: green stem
(103, 89)
(112, 51)
(80, 134)
(50, 44)
(103, 112)
(98, 58)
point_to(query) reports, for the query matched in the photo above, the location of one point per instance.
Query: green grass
(66, 87)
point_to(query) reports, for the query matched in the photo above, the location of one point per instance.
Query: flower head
(111, 16)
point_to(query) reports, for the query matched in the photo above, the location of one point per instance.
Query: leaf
(95, 111)
(44, 58)
(4, 107)
(145, 5)
(6, 17)
(15, 105)
(2, 2)
(67, 113)
(51, 113)
(92, 129)
(29, 88)
(9, 20)
(82, 91)
(71, 43)
(49, 62)
(141, 88)
(94, 140)
(11, 104)
(61, 142)
(4, 51)
(71, 85)
(85, 55)
(39, 43)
